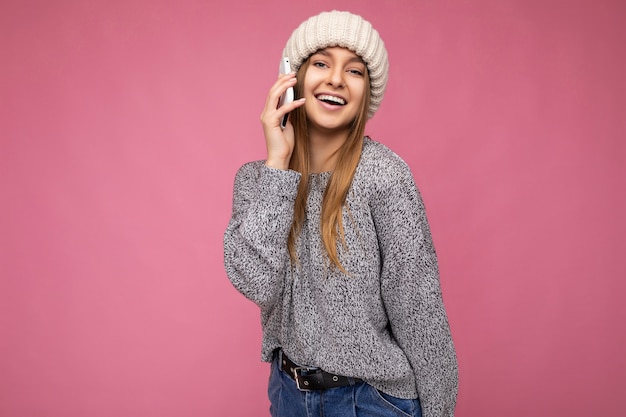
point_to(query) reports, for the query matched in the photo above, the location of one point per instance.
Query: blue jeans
(358, 400)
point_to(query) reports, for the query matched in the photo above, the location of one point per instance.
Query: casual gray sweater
(385, 321)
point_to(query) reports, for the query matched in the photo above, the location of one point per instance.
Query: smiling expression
(334, 87)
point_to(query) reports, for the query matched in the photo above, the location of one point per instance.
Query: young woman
(329, 238)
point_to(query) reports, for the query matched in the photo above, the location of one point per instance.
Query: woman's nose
(335, 78)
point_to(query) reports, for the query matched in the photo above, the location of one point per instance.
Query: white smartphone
(287, 96)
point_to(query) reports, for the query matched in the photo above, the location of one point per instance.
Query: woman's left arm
(411, 290)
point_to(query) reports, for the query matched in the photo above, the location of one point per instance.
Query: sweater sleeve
(255, 241)
(411, 290)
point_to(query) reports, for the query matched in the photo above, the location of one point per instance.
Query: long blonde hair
(331, 224)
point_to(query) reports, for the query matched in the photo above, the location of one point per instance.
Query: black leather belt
(313, 379)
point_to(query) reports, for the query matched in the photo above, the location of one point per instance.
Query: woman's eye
(319, 64)
(356, 72)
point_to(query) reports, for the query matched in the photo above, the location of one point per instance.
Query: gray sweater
(384, 322)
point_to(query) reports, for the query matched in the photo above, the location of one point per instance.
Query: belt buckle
(298, 376)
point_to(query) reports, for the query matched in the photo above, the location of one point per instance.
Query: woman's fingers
(272, 113)
(279, 141)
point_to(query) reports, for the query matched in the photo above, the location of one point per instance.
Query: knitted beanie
(347, 30)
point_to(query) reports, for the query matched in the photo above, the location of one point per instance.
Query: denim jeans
(357, 400)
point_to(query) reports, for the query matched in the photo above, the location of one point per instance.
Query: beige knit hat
(347, 30)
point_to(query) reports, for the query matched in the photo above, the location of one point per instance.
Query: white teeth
(326, 97)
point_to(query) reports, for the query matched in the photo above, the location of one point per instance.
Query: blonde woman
(329, 237)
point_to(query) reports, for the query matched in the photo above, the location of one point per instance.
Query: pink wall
(122, 125)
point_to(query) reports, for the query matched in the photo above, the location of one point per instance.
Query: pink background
(122, 124)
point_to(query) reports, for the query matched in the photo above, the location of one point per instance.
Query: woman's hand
(279, 141)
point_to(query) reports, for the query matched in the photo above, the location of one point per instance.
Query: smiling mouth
(338, 101)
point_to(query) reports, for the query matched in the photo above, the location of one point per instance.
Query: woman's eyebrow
(355, 58)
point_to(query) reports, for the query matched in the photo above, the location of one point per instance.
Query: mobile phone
(287, 96)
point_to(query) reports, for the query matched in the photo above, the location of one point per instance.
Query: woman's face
(334, 87)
